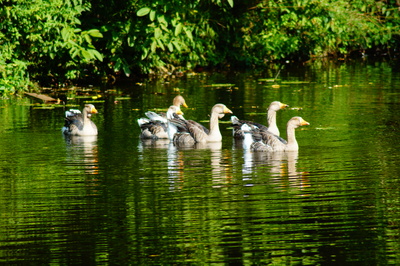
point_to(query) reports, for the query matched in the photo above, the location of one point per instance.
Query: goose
(155, 126)
(191, 132)
(252, 139)
(277, 143)
(78, 123)
(271, 119)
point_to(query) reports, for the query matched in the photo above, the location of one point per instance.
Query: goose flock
(180, 131)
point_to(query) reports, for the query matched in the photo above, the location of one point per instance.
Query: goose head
(221, 110)
(90, 109)
(297, 121)
(178, 101)
(173, 110)
(276, 106)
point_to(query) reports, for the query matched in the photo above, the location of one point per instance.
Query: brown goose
(190, 132)
(277, 143)
(78, 123)
(155, 126)
(271, 119)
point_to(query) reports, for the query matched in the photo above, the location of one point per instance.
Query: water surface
(114, 199)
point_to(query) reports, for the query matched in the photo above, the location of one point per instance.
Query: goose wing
(190, 127)
(237, 126)
(276, 142)
(73, 120)
(260, 146)
(152, 129)
(153, 116)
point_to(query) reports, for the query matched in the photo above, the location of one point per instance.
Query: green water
(117, 200)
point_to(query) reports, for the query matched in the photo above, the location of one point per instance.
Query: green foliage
(158, 35)
(162, 35)
(60, 39)
(43, 37)
(317, 28)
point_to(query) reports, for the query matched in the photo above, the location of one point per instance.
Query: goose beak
(227, 111)
(179, 112)
(283, 105)
(93, 110)
(185, 105)
(304, 123)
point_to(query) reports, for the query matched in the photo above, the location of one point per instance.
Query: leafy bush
(43, 37)
(63, 39)
(304, 28)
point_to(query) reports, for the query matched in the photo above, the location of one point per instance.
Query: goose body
(279, 144)
(190, 132)
(155, 126)
(252, 139)
(79, 123)
(271, 119)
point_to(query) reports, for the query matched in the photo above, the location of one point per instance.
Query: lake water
(116, 200)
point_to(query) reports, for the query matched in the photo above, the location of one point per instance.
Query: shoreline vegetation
(53, 43)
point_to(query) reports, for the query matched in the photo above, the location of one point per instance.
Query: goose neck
(215, 134)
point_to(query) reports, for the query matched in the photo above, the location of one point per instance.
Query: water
(114, 199)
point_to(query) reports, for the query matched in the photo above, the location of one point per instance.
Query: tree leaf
(157, 33)
(178, 29)
(170, 47)
(143, 11)
(160, 44)
(126, 69)
(65, 33)
(189, 34)
(152, 15)
(74, 52)
(177, 45)
(154, 46)
(97, 55)
(161, 20)
(95, 33)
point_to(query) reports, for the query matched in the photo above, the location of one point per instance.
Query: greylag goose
(191, 132)
(156, 125)
(279, 144)
(78, 123)
(271, 119)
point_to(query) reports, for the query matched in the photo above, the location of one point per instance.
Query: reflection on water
(83, 150)
(282, 166)
(115, 199)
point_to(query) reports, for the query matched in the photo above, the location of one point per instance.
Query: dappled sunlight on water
(116, 199)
